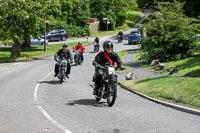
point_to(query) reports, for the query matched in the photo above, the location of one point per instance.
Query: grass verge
(189, 67)
(179, 90)
(34, 53)
(122, 55)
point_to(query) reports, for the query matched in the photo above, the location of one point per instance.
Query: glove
(122, 67)
(97, 65)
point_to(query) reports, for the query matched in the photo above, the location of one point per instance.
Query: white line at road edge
(54, 122)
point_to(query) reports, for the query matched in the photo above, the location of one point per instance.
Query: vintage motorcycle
(96, 47)
(120, 39)
(77, 57)
(109, 85)
(62, 69)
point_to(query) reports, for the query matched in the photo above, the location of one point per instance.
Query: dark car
(56, 35)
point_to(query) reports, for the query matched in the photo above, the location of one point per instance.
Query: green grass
(35, 52)
(122, 55)
(189, 67)
(180, 90)
(132, 18)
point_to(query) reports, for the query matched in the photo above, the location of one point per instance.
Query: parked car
(38, 41)
(134, 37)
(56, 35)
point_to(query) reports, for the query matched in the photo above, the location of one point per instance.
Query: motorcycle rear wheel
(97, 99)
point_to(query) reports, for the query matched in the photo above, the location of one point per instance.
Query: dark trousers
(67, 71)
(82, 58)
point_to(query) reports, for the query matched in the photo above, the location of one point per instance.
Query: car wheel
(63, 38)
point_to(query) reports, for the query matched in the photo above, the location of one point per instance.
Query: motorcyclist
(121, 34)
(101, 60)
(63, 53)
(96, 43)
(96, 40)
(81, 48)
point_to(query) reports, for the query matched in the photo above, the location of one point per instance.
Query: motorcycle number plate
(111, 70)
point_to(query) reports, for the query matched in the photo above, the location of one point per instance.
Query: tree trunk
(26, 43)
(16, 49)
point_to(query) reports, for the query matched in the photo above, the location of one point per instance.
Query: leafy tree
(21, 18)
(191, 7)
(170, 34)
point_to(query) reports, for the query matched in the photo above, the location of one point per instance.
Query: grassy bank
(189, 67)
(132, 18)
(35, 52)
(122, 55)
(180, 90)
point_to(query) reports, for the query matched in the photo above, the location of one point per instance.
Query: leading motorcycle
(108, 89)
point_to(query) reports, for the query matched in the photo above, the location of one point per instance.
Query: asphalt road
(33, 101)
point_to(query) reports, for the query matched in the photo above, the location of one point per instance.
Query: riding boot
(95, 91)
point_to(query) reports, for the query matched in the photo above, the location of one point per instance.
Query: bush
(170, 34)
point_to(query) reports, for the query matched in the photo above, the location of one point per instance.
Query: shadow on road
(53, 82)
(87, 102)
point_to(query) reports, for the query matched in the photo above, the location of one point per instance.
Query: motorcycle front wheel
(112, 94)
(61, 77)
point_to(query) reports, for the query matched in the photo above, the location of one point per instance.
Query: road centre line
(42, 110)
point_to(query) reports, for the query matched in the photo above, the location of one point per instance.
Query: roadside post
(45, 30)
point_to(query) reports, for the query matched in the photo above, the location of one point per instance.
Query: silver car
(38, 41)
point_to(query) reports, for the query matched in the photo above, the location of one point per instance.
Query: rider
(63, 53)
(96, 40)
(121, 34)
(81, 48)
(108, 55)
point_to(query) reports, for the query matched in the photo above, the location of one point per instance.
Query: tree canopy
(170, 33)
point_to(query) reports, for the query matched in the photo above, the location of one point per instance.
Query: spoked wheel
(113, 94)
(62, 77)
(98, 98)
(79, 62)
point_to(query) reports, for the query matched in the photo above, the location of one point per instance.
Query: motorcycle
(96, 47)
(109, 85)
(77, 57)
(62, 70)
(120, 39)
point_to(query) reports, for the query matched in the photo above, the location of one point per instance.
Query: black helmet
(79, 43)
(107, 44)
(64, 44)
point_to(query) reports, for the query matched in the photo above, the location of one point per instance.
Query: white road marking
(54, 122)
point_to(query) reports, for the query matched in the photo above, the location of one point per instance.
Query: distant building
(94, 25)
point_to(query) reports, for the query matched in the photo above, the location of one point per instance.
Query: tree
(22, 18)
(170, 34)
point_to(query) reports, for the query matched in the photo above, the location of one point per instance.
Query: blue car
(134, 37)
